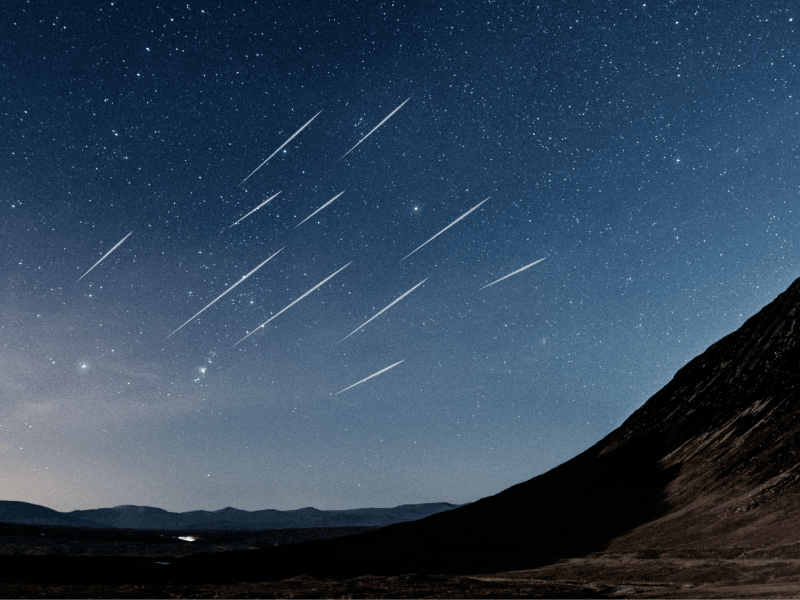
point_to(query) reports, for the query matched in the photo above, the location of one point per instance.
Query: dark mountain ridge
(709, 462)
(147, 517)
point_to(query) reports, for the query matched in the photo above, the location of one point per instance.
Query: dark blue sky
(649, 152)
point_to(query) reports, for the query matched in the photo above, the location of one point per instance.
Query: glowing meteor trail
(445, 229)
(515, 272)
(228, 290)
(281, 147)
(384, 310)
(376, 127)
(370, 377)
(104, 257)
(319, 209)
(321, 283)
(254, 210)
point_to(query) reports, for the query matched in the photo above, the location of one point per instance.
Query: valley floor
(652, 573)
(49, 540)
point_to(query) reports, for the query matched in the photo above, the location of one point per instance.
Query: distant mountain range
(147, 517)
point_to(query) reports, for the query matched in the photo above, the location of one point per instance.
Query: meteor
(319, 209)
(515, 272)
(321, 283)
(104, 257)
(281, 147)
(376, 127)
(370, 377)
(228, 290)
(254, 210)
(445, 229)
(384, 310)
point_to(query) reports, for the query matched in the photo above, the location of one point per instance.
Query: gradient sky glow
(649, 151)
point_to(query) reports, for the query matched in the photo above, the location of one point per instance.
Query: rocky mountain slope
(711, 460)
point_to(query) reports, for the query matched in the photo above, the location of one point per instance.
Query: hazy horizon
(234, 507)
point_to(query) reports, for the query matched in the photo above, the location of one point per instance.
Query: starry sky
(648, 152)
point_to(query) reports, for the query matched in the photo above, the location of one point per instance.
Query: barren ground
(653, 573)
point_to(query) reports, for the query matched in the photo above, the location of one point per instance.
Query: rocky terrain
(695, 495)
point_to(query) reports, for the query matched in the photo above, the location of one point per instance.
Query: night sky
(648, 152)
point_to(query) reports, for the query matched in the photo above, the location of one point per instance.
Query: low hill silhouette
(229, 519)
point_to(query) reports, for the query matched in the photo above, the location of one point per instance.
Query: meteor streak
(319, 209)
(321, 283)
(384, 310)
(445, 229)
(514, 273)
(254, 210)
(281, 147)
(228, 290)
(376, 127)
(370, 377)
(104, 257)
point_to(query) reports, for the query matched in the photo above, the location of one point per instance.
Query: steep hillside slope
(712, 458)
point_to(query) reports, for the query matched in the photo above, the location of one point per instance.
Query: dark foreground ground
(599, 576)
(32, 560)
